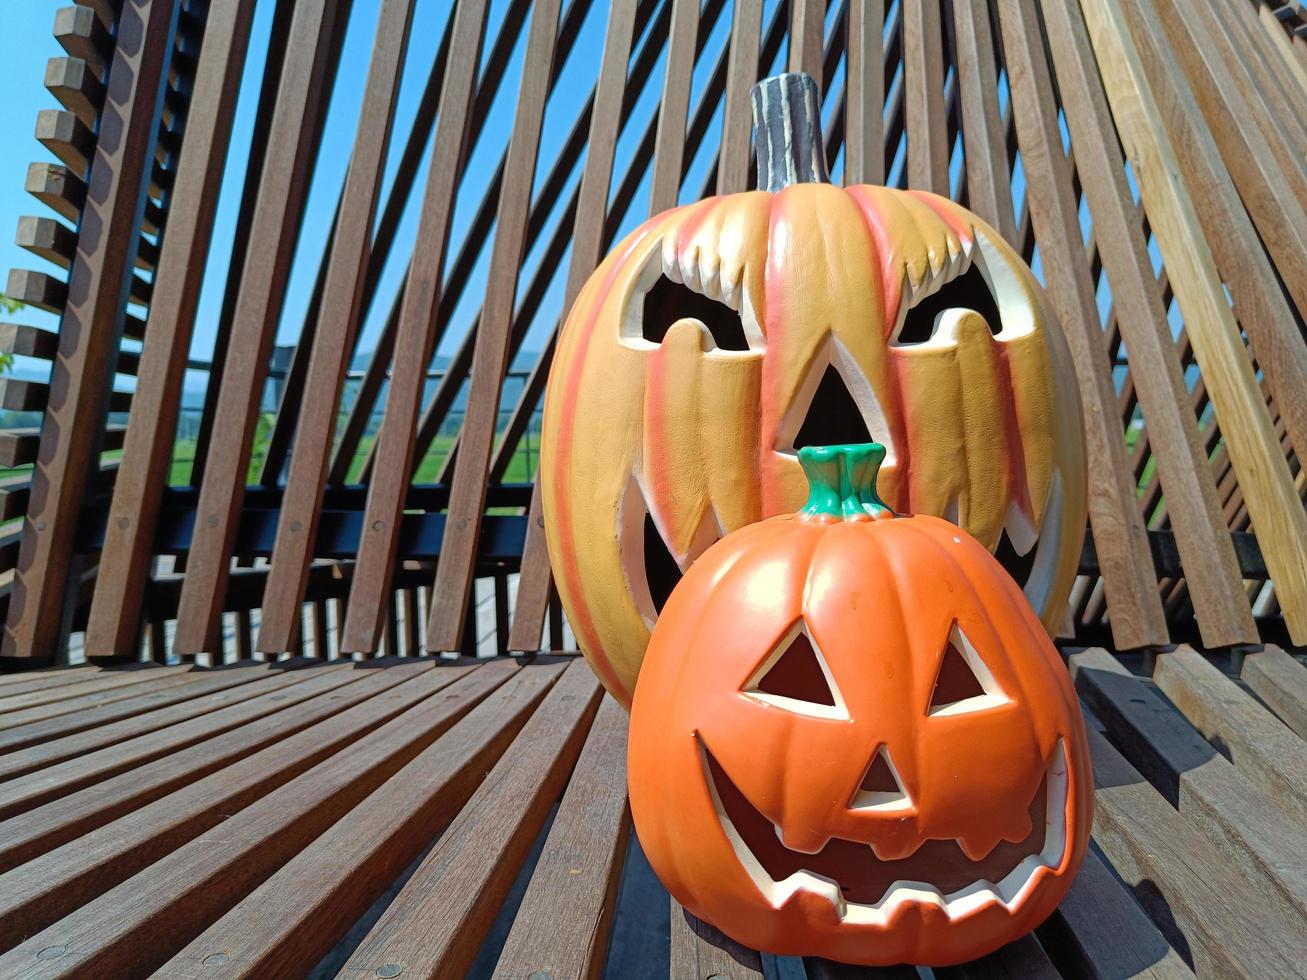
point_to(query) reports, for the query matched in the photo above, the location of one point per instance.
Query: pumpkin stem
(787, 132)
(842, 482)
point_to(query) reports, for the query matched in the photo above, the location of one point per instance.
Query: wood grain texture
(109, 685)
(333, 881)
(436, 923)
(1264, 476)
(807, 39)
(737, 120)
(151, 430)
(669, 146)
(701, 952)
(1120, 538)
(282, 188)
(90, 328)
(1261, 746)
(197, 882)
(1281, 682)
(864, 149)
(580, 866)
(1212, 572)
(927, 123)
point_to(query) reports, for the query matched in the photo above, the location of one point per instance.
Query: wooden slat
(438, 920)
(336, 329)
(1262, 747)
(11, 684)
(77, 86)
(148, 447)
(190, 788)
(807, 37)
(1281, 682)
(923, 67)
(110, 681)
(89, 330)
(699, 950)
(674, 106)
(413, 343)
(82, 35)
(283, 186)
(1244, 822)
(25, 792)
(1294, 64)
(580, 866)
(330, 884)
(467, 493)
(135, 926)
(1212, 571)
(1142, 122)
(1198, 901)
(864, 153)
(1120, 538)
(1021, 959)
(193, 695)
(737, 120)
(989, 181)
(1112, 934)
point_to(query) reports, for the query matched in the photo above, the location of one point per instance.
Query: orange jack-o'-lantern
(722, 336)
(852, 738)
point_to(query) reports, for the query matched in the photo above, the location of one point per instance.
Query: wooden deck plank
(25, 792)
(440, 917)
(1111, 932)
(152, 427)
(185, 793)
(1120, 538)
(1196, 899)
(701, 952)
(118, 686)
(1280, 681)
(330, 884)
(137, 925)
(11, 684)
(1241, 819)
(237, 686)
(1262, 747)
(1211, 569)
(580, 866)
(1021, 959)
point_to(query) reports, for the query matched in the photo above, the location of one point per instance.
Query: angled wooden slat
(1181, 462)
(1196, 900)
(741, 73)
(989, 181)
(700, 950)
(74, 83)
(1262, 747)
(83, 35)
(580, 866)
(923, 64)
(334, 340)
(258, 756)
(89, 330)
(1281, 682)
(126, 931)
(1292, 64)
(1157, 159)
(11, 684)
(282, 189)
(332, 882)
(864, 154)
(1120, 538)
(807, 37)
(109, 684)
(148, 446)
(468, 490)
(674, 106)
(1242, 820)
(1111, 933)
(439, 918)
(414, 341)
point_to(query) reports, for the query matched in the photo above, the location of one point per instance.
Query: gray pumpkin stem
(787, 132)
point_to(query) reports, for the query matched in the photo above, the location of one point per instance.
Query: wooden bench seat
(417, 817)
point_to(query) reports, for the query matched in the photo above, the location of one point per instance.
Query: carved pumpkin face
(720, 337)
(852, 738)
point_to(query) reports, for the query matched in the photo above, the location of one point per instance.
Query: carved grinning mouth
(868, 890)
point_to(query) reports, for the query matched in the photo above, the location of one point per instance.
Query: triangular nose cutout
(833, 417)
(881, 788)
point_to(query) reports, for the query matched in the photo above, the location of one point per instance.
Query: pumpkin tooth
(690, 268)
(671, 266)
(709, 268)
(892, 850)
(978, 846)
(1020, 530)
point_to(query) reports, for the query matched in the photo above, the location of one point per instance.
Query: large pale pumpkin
(720, 337)
(852, 738)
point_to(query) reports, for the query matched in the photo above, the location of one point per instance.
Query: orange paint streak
(961, 226)
(891, 283)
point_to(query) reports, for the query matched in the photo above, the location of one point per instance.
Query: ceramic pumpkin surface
(852, 738)
(720, 337)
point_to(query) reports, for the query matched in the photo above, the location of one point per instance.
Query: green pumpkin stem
(842, 481)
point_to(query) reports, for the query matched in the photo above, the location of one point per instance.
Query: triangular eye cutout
(881, 788)
(963, 683)
(796, 677)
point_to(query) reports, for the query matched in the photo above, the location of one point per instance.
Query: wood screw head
(389, 970)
